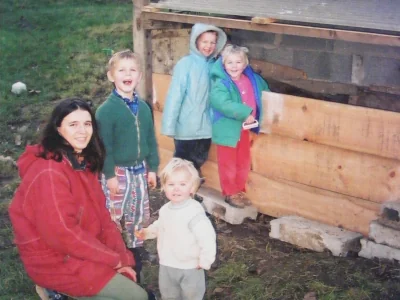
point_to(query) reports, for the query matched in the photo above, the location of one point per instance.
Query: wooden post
(142, 46)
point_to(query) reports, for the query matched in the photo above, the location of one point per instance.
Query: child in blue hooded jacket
(186, 116)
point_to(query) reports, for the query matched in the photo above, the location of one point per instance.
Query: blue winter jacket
(186, 114)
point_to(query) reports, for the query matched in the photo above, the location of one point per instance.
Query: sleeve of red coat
(57, 221)
(111, 235)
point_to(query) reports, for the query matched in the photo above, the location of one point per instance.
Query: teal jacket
(128, 139)
(228, 110)
(186, 114)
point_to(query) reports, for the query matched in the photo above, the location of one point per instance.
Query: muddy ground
(252, 266)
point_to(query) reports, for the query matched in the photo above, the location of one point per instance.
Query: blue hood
(200, 28)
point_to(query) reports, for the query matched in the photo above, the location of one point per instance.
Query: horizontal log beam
(351, 173)
(307, 31)
(344, 126)
(278, 198)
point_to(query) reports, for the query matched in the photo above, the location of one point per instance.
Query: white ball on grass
(18, 88)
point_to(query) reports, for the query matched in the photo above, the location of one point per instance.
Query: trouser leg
(243, 160)
(226, 157)
(195, 151)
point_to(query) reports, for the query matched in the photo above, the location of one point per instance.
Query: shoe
(151, 295)
(244, 198)
(234, 201)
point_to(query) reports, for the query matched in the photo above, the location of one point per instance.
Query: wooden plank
(142, 46)
(324, 33)
(371, 14)
(279, 198)
(330, 168)
(171, 46)
(356, 174)
(263, 20)
(354, 128)
(281, 72)
(161, 85)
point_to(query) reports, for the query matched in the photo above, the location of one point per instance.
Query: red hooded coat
(63, 231)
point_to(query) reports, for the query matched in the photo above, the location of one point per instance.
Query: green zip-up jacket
(228, 110)
(128, 139)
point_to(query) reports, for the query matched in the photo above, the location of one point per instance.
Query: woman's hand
(128, 272)
(152, 180)
(112, 185)
(250, 119)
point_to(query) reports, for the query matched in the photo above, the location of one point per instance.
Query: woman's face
(76, 128)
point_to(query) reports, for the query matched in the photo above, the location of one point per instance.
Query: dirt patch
(250, 265)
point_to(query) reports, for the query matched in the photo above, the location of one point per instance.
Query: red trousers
(234, 165)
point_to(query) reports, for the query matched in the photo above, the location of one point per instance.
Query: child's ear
(140, 76)
(110, 76)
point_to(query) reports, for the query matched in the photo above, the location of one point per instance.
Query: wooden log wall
(328, 162)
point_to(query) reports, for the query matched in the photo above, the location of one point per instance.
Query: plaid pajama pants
(129, 208)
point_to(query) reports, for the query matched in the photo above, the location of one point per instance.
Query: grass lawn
(57, 49)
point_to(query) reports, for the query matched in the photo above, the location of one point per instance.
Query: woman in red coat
(63, 231)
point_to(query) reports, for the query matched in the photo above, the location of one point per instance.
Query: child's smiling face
(235, 64)
(178, 186)
(125, 75)
(206, 43)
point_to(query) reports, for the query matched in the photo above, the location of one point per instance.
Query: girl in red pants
(235, 101)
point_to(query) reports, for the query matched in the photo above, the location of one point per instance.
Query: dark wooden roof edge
(279, 28)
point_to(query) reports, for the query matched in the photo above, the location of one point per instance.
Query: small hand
(112, 185)
(152, 180)
(128, 272)
(140, 234)
(250, 119)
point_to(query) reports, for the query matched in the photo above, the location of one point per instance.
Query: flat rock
(215, 205)
(370, 249)
(382, 234)
(314, 235)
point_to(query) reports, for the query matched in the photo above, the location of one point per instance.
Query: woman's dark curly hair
(54, 145)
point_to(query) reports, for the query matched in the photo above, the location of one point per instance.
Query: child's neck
(125, 96)
(238, 77)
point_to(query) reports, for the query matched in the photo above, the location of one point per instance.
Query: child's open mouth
(127, 82)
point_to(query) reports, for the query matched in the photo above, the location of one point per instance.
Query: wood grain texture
(374, 14)
(360, 129)
(330, 168)
(346, 172)
(289, 29)
(278, 198)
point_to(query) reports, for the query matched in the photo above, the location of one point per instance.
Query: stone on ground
(369, 249)
(215, 205)
(382, 234)
(315, 236)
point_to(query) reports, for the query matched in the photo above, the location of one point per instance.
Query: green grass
(56, 49)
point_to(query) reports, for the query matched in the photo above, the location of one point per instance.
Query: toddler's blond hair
(177, 164)
(230, 49)
(124, 54)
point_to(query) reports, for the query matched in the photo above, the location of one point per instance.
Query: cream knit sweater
(185, 237)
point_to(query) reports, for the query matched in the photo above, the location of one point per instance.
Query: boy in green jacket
(127, 130)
